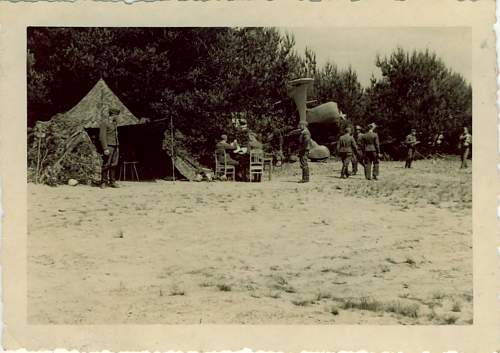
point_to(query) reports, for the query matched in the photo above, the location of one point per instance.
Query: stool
(131, 166)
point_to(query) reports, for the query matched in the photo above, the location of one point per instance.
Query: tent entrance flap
(144, 143)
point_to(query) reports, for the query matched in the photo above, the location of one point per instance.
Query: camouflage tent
(60, 148)
(90, 110)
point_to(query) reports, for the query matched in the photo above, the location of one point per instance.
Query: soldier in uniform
(223, 147)
(347, 149)
(371, 152)
(464, 146)
(304, 147)
(108, 137)
(410, 142)
(357, 157)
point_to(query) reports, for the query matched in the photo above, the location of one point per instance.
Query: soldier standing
(304, 147)
(347, 150)
(371, 152)
(357, 155)
(464, 146)
(410, 142)
(108, 137)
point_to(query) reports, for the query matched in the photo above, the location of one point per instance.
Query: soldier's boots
(112, 178)
(354, 168)
(109, 182)
(375, 171)
(305, 176)
(368, 172)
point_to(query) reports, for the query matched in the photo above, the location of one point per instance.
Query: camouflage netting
(187, 164)
(60, 149)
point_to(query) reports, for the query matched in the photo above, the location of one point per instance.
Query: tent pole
(172, 147)
(37, 160)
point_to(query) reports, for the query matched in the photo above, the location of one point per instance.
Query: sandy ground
(396, 251)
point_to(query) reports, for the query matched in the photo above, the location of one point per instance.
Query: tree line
(202, 77)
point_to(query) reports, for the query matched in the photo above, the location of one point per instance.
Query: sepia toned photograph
(249, 175)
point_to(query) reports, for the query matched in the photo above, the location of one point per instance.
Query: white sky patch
(358, 47)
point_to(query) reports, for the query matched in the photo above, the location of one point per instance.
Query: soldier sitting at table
(223, 147)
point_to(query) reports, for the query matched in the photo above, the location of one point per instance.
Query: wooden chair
(256, 167)
(268, 160)
(224, 169)
(131, 166)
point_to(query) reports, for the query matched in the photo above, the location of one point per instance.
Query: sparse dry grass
(274, 295)
(441, 184)
(332, 309)
(456, 307)
(363, 304)
(224, 287)
(438, 295)
(410, 310)
(302, 302)
(176, 290)
(288, 270)
(447, 319)
(279, 282)
(404, 309)
(323, 295)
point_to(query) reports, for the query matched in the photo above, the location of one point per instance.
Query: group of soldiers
(364, 148)
(353, 148)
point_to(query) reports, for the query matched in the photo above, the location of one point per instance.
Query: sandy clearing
(271, 253)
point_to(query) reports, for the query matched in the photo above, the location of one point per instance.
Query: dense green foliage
(418, 91)
(203, 77)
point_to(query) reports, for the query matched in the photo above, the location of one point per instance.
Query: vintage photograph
(249, 175)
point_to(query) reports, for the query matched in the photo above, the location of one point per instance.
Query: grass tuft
(404, 309)
(223, 287)
(275, 295)
(333, 310)
(449, 319)
(322, 295)
(456, 307)
(438, 295)
(410, 262)
(177, 291)
(301, 302)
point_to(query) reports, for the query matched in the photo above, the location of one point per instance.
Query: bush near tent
(59, 155)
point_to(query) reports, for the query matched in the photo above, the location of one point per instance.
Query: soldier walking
(410, 142)
(371, 152)
(347, 150)
(108, 137)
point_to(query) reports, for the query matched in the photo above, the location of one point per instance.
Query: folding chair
(268, 160)
(256, 164)
(224, 169)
